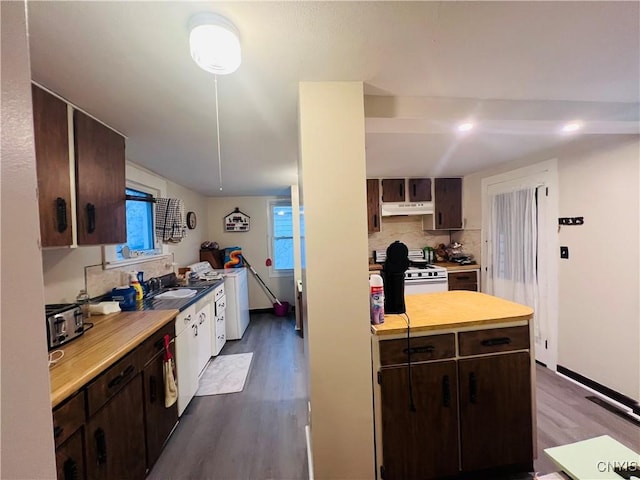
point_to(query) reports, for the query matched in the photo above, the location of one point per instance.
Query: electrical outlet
(564, 252)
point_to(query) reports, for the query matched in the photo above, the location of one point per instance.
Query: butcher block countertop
(453, 309)
(111, 338)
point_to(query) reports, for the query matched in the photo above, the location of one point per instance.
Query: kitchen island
(455, 397)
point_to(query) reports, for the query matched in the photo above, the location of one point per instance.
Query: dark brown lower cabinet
(70, 462)
(420, 443)
(115, 437)
(159, 420)
(495, 411)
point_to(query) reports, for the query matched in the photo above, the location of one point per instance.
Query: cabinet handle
(101, 446)
(439, 218)
(446, 391)
(153, 389)
(423, 349)
(492, 342)
(465, 277)
(414, 190)
(473, 388)
(196, 327)
(70, 470)
(61, 214)
(375, 220)
(402, 190)
(118, 380)
(91, 217)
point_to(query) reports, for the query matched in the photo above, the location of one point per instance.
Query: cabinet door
(115, 443)
(393, 190)
(448, 203)
(159, 420)
(70, 462)
(218, 334)
(495, 411)
(203, 334)
(373, 205)
(51, 134)
(186, 366)
(420, 444)
(419, 189)
(100, 182)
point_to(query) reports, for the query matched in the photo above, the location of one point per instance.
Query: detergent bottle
(135, 283)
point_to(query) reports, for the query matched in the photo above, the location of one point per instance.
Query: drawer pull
(423, 349)
(101, 446)
(118, 380)
(57, 431)
(61, 214)
(461, 277)
(473, 388)
(70, 469)
(446, 391)
(91, 217)
(492, 342)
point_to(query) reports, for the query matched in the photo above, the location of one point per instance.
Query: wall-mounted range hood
(389, 209)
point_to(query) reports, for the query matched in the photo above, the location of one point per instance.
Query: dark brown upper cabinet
(100, 182)
(448, 204)
(51, 133)
(393, 190)
(373, 205)
(419, 189)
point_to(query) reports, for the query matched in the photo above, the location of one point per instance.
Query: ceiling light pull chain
(218, 132)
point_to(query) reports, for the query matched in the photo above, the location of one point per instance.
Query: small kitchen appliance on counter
(64, 323)
(395, 264)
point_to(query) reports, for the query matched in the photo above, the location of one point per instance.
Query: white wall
(337, 327)
(599, 311)
(254, 244)
(26, 427)
(64, 267)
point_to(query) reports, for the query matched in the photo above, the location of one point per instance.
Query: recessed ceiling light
(465, 126)
(571, 127)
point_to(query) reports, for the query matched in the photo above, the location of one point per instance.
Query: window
(281, 217)
(140, 228)
(141, 240)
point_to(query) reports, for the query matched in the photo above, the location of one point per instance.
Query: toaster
(64, 323)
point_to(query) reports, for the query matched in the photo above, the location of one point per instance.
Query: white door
(520, 247)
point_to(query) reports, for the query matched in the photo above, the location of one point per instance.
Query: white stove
(203, 271)
(420, 277)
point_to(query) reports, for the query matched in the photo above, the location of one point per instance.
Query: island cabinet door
(115, 437)
(495, 411)
(420, 443)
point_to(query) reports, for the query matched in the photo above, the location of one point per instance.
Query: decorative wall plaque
(237, 221)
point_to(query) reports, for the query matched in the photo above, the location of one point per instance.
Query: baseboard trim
(307, 434)
(596, 387)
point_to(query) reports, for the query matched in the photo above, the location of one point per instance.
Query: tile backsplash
(408, 229)
(100, 281)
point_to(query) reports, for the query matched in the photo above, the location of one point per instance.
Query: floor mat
(225, 374)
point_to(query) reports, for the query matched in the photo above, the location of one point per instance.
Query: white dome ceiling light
(215, 43)
(215, 47)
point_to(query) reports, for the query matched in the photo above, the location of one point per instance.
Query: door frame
(539, 174)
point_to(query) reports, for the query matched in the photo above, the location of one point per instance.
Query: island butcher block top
(111, 338)
(453, 309)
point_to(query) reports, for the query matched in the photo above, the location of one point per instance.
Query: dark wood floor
(254, 434)
(259, 433)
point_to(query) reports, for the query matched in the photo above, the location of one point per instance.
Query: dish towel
(170, 224)
(170, 387)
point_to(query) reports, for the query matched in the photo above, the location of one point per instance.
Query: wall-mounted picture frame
(237, 221)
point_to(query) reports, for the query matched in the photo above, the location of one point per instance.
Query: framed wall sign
(237, 221)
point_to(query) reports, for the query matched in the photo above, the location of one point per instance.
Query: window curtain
(514, 251)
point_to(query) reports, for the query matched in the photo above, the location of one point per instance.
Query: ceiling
(518, 69)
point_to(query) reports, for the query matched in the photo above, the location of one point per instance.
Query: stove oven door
(425, 285)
